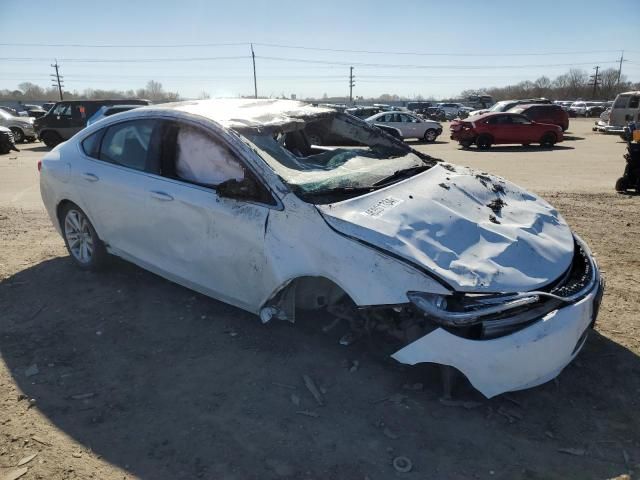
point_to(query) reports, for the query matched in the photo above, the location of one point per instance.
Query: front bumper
(525, 358)
(603, 127)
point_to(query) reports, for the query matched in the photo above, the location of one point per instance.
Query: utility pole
(351, 85)
(58, 79)
(620, 67)
(595, 82)
(255, 82)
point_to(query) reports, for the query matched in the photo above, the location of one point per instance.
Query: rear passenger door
(113, 175)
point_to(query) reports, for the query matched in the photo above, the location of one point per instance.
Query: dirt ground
(122, 374)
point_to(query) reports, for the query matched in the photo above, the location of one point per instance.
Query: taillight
(39, 165)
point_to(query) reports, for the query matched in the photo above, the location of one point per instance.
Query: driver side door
(202, 238)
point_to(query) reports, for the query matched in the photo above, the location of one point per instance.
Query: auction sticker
(382, 206)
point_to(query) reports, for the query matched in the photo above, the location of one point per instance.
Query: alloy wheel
(79, 237)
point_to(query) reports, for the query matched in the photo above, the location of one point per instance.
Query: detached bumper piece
(512, 342)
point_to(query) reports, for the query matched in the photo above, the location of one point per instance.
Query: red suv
(553, 114)
(499, 128)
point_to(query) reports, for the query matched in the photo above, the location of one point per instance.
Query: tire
(32, 139)
(83, 244)
(50, 139)
(18, 135)
(621, 185)
(548, 140)
(430, 135)
(484, 141)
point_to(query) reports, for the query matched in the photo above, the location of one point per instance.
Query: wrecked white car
(227, 197)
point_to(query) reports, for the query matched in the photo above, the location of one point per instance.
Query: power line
(98, 45)
(124, 60)
(432, 54)
(452, 67)
(302, 47)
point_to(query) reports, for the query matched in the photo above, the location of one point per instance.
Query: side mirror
(246, 189)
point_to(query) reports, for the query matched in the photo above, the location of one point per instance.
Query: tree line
(574, 84)
(28, 91)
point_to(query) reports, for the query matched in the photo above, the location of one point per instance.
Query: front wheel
(548, 140)
(18, 135)
(465, 143)
(85, 247)
(484, 141)
(430, 135)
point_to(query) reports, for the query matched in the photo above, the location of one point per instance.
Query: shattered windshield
(363, 160)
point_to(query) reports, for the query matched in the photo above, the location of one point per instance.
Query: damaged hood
(477, 232)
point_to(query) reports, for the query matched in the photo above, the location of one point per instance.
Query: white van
(626, 108)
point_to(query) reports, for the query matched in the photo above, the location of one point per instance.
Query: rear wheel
(85, 247)
(18, 135)
(50, 139)
(484, 141)
(548, 140)
(430, 135)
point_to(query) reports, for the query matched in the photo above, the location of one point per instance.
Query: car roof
(248, 114)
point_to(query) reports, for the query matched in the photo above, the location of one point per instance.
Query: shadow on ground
(518, 148)
(169, 384)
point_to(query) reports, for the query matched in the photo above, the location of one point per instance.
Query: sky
(410, 48)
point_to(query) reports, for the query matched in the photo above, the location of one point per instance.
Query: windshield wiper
(401, 174)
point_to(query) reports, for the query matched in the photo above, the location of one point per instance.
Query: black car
(67, 118)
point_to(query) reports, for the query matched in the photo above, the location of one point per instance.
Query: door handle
(90, 177)
(165, 197)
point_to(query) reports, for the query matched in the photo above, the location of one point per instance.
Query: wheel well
(16, 128)
(549, 132)
(306, 293)
(60, 208)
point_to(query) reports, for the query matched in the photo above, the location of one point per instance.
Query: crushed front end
(512, 341)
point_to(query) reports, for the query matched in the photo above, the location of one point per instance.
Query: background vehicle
(67, 118)
(450, 109)
(35, 111)
(595, 109)
(6, 141)
(625, 108)
(416, 106)
(544, 113)
(362, 112)
(503, 128)
(108, 110)
(505, 105)
(22, 127)
(410, 125)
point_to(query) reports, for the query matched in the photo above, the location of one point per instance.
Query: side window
(129, 144)
(202, 159)
(633, 102)
(519, 120)
(63, 110)
(91, 144)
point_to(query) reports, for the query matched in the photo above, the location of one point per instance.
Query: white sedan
(228, 198)
(411, 126)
